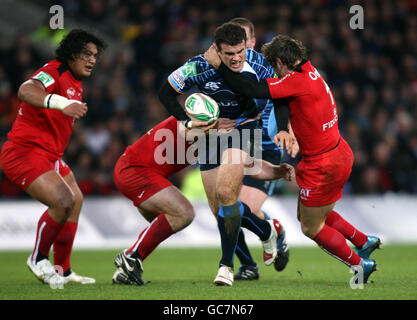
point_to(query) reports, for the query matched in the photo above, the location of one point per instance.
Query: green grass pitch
(187, 274)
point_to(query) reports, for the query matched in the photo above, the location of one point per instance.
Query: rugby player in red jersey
(326, 157)
(32, 156)
(141, 174)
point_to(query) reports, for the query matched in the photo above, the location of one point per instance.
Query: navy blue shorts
(244, 137)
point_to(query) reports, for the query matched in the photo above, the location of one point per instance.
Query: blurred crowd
(372, 74)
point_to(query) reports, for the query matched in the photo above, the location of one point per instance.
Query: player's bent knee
(79, 198)
(188, 216)
(309, 231)
(226, 195)
(66, 203)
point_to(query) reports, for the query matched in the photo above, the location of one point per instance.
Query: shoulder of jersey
(254, 56)
(53, 64)
(200, 62)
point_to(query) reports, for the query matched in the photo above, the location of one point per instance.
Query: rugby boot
(224, 276)
(247, 273)
(283, 255)
(365, 251)
(132, 267)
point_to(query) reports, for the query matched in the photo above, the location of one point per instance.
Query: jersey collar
(298, 66)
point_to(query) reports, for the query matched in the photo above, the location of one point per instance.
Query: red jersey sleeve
(286, 86)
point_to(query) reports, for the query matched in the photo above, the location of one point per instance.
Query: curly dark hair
(74, 42)
(285, 48)
(229, 33)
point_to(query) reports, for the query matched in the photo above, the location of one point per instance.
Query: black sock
(242, 251)
(40, 257)
(228, 222)
(67, 272)
(135, 255)
(255, 224)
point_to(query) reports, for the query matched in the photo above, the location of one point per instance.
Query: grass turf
(187, 274)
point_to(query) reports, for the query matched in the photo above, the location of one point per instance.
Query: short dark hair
(285, 48)
(245, 23)
(229, 33)
(74, 42)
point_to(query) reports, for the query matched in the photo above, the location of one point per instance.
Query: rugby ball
(198, 106)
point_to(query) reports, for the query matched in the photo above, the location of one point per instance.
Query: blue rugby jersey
(197, 72)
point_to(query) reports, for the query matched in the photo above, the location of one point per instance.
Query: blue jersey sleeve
(259, 64)
(192, 73)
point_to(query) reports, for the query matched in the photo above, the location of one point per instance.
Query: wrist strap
(49, 99)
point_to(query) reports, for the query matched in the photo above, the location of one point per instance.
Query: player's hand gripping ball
(200, 107)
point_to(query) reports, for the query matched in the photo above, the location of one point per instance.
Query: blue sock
(228, 222)
(253, 223)
(242, 251)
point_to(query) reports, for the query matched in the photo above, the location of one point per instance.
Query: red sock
(334, 243)
(63, 245)
(150, 237)
(46, 234)
(335, 221)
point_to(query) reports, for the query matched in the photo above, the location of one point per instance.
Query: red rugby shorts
(22, 164)
(138, 183)
(321, 178)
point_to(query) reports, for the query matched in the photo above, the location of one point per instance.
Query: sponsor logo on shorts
(141, 195)
(304, 193)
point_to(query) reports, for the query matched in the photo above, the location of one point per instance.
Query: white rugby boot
(224, 276)
(45, 272)
(270, 245)
(76, 278)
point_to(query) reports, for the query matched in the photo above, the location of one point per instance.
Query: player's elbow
(23, 92)
(29, 92)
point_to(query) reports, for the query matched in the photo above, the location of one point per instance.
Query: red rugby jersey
(313, 111)
(48, 129)
(161, 149)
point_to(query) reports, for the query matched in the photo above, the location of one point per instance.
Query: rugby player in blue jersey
(223, 179)
(255, 192)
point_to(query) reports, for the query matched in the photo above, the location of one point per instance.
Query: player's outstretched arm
(241, 84)
(33, 93)
(270, 171)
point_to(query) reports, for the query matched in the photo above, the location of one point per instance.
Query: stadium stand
(372, 74)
